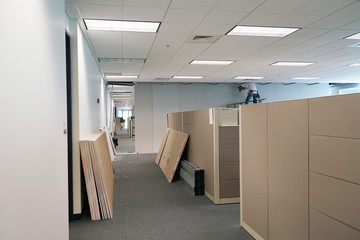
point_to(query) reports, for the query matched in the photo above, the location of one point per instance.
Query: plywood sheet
(89, 181)
(254, 199)
(337, 157)
(175, 121)
(288, 169)
(229, 188)
(173, 150)
(229, 171)
(336, 198)
(162, 145)
(323, 227)
(335, 116)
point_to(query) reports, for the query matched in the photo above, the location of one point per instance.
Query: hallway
(146, 206)
(125, 143)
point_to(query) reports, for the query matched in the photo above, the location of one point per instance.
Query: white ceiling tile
(352, 10)
(224, 17)
(308, 33)
(185, 16)
(101, 11)
(262, 19)
(353, 26)
(144, 14)
(177, 28)
(298, 20)
(137, 45)
(102, 2)
(147, 3)
(106, 44)
(336, 34)
(279, 6)
(238, 6)
(212, 29)
(193, 4)
(323, 7)
(332, 22)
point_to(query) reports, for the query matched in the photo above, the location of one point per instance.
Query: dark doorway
(69, 127)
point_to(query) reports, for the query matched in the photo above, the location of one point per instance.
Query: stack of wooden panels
(193, 176)
(99, 175)
(171, 149)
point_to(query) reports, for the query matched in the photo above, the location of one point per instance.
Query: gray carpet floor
(147, 207)
(125, 143)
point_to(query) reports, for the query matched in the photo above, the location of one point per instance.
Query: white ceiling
(324, 25)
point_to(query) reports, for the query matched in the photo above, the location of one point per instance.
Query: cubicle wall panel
(229, 135)
(288, 170)
(229, 152)
(229, 171)
(192, 124)
(208, 152)
(229, 188)
(323, 227)
(336, 116)
(336, 198)
(253, 169)
(175, 121)
(337, 157)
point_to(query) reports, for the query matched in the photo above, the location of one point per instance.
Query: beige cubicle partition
(214, 146)
(300, 176)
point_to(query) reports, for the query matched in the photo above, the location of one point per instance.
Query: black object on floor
(193, 177)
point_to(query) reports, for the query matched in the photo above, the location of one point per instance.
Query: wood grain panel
(337, 157)
(288, 170)
(253, 141)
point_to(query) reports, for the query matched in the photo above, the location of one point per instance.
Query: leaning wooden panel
(336, 198)
(336, 116)
(253, 169)
(175, 121)
(323, 227)
(89, 180)
(173, 150)
(288, 170)
(162, 145)
(337, 157)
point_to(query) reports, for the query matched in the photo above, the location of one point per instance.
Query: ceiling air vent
(202, 39)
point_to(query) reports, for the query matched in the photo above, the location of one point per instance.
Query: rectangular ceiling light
(353, 65)
(122, 26)
(248, 78)
(121, 60)
(354, 36)
(188, 77)
(305, 78)
(261, 31)
(292, 64)
(115, 77)
(204, 62)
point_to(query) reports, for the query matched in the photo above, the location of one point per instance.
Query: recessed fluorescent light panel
(305, 78)
(248, 78)
(203, 62)
(353, 65)
(292, 64)
(121, 60)
(261, 31)
(122, 26)
(355, 36)
(115, 77)
(188, 77)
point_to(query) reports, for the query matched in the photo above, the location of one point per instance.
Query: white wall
(33, 172)
(88, 115)
(154, 101)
